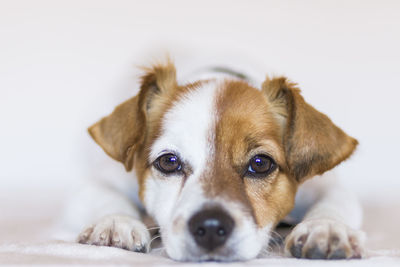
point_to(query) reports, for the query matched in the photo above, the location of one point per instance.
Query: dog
(219, 163)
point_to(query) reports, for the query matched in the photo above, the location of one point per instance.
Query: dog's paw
(324, 239)
(117, 231)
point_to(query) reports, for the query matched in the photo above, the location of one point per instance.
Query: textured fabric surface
(57, 252)
(27, 237)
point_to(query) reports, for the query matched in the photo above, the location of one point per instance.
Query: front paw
(324, 239)
(117, 231)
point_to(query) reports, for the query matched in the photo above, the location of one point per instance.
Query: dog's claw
(315, 253)
(337, 254)
(83, 237)
(141, 249)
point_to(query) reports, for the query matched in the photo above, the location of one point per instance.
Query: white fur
(326, 198)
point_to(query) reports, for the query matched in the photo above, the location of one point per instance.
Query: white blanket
(58, 252)
(25, 238)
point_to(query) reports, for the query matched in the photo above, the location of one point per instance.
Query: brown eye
(168, 163)
(260, 166)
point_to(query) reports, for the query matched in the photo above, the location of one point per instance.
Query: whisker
(153, 228)
(276, 234)
(274, 245)
(154, 238)
(277, 242)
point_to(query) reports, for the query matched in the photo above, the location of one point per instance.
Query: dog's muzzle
(211, 228)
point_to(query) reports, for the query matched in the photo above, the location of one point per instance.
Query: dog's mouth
(222, 254)
(229, 252)
(213, 258)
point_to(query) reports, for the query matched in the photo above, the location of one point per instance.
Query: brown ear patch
(158, 79)
(313, 143)
(119, 132)
(125, 129)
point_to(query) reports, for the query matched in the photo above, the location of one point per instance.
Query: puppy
(219, 163)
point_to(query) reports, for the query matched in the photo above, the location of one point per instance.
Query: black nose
(211, 228)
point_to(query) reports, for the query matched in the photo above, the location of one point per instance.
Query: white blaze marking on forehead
(188, 126)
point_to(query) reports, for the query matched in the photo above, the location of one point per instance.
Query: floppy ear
(312, 143)
(124, 130)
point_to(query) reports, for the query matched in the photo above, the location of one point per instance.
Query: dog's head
(218, 161)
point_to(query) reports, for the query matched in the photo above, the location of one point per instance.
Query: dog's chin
(240, 248)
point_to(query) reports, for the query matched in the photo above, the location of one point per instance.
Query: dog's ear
(312, 143)
(124, 130)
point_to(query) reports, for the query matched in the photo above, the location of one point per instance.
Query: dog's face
(218, 161)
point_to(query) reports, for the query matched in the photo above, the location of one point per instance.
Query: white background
(65, 64)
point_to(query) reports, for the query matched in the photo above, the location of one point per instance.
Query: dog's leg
(110, 219)
(329, 229)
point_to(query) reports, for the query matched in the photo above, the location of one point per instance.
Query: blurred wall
(64, 64)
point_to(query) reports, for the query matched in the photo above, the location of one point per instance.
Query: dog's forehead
(227, 114)
(244, 116)
(187, 127)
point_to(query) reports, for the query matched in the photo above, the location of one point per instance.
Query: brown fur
(244, 125)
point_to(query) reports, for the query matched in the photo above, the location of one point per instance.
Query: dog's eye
(260, 166)
(168, 163)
